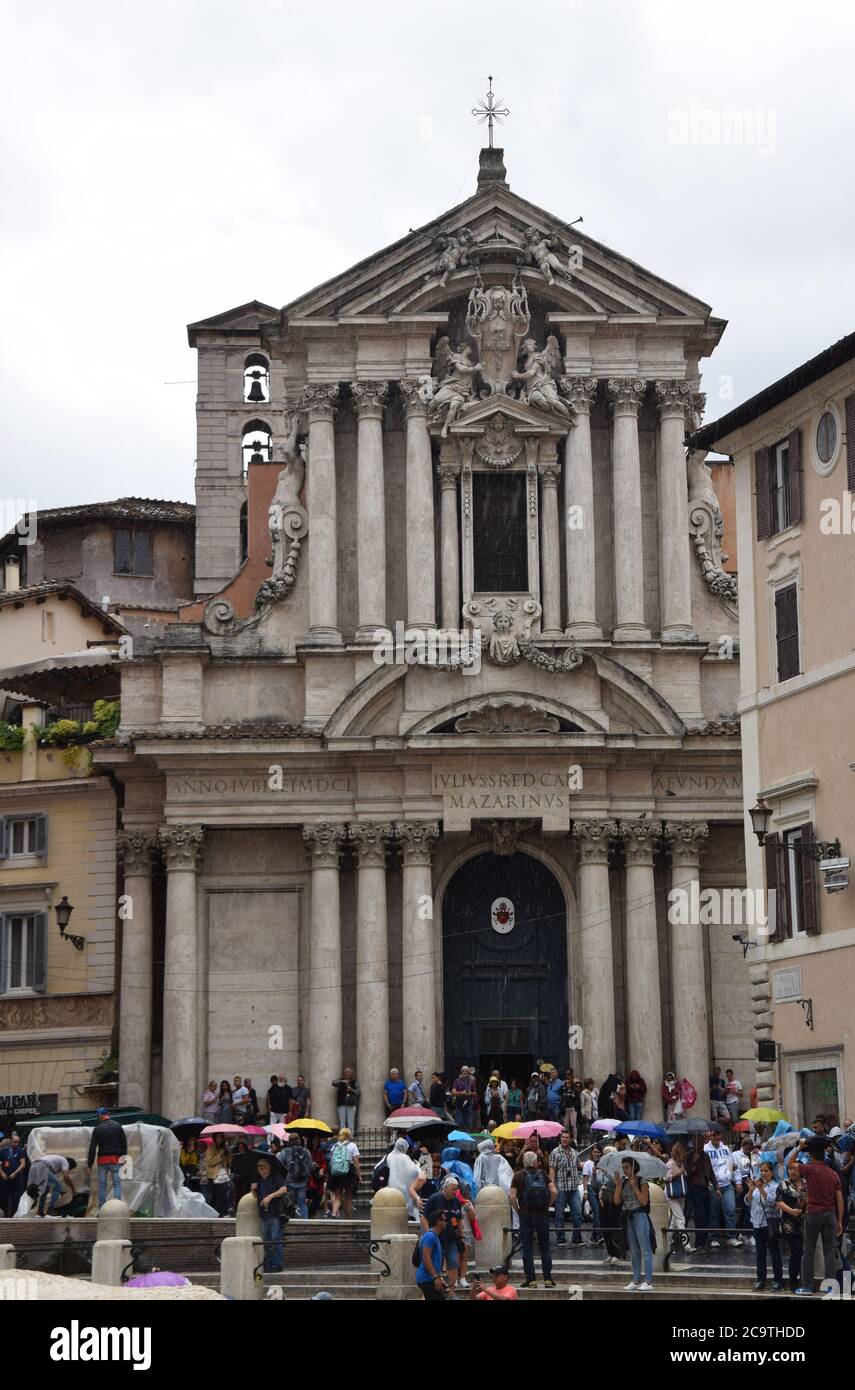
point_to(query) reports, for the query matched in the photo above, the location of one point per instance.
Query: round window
(826, 437)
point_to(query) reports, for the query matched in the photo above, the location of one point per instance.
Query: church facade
(421, 775)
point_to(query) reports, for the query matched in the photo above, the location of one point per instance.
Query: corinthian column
(368, 400)
(550, 558)
(674, 401)
(644, 1005)
(418, 970)
(181, 846)
(370, 842)
(627, 395)
(324, 844)
(449, 476)
(594, 909)
(686, 840)
(135, 850)
(319, 402)
(579, 532)
(421, 602)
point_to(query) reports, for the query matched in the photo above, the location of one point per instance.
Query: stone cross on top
(489, 111)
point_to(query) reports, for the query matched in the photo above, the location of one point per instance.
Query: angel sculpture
(454, 373)
(453, 249)
(540, 376)
(543, 250)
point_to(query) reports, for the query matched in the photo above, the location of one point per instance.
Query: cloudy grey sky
(167, 161)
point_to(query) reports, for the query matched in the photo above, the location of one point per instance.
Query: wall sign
(786, 984)
(20, 1105)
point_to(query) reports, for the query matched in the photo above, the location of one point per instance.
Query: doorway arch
(505, 974)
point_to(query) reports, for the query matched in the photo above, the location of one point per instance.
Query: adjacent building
(793, 446)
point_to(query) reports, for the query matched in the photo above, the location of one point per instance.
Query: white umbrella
(648, 1166)
(410, 1122)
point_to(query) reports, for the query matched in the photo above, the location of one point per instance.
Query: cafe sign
(20, 1105)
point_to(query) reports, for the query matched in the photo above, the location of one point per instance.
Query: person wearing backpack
(531, 1194)
(344, 1173)
(297, 1162)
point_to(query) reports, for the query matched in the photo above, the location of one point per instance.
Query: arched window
(244, 531)
(257, 443)
(256, 378)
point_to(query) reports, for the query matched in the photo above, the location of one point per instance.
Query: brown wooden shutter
(774, 881)
(849, 426)
(796, 476)
(787, 632)
(808, 868)
(763, 497)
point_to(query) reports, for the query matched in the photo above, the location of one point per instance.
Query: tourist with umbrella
(270, 1190)
(632, 1197)
(701, 1186)
(215, 1171)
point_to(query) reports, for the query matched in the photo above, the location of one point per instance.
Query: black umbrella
(693, 1125)
(190, 1128)
(245, 1166)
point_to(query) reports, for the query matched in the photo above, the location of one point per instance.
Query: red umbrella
(741, 1125)
(412, 1112)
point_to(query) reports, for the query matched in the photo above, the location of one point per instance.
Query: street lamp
(760, 815)
(63, 912)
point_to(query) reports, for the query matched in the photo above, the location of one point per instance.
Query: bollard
(493, 1209)
(400, 1283)
(248, 1217)
(114, 1221)
(109, 1259)
(7, 1257)
(659, 1214)
(388, 1214)
(240, 1256)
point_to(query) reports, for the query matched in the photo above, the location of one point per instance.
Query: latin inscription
(703, 783)
(296, 784)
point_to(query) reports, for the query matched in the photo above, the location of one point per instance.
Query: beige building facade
(793, 448)
(416, 776)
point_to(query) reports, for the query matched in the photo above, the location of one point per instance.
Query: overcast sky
(167, 161)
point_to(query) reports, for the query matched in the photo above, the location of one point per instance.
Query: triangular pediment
(524, 419)
(404, 280)
(243, 319)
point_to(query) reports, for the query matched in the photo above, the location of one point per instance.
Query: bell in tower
(256, 392)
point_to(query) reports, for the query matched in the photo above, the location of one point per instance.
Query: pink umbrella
(251, 1129)
(547, 1129)
(224, 1129)
(279, 1131)
(606, 1125)
(413, 1112)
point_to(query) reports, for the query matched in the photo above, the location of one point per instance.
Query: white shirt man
(733, 1095)
(729, 1180)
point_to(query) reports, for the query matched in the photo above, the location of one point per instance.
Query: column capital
(674, 400)
(181, 845)
(369, 398)
(135, 849)
(370, 841)
(640, 839)
(592, 839)
(549, 474)
(319, 400)
(686, 840)
(449, 474)
(324, 844)
(579, 392)
(411, 394)
(626, 394)
(417, 839)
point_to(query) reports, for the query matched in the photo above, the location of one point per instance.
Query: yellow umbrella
(506, 1131)
(310, 1124)
(547, 1066)
(764, 1115)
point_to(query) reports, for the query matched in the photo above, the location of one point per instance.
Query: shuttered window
(787, 632)
(791, 872)
(775, 883)
(763, 496)
(23, 950)
(23, 836)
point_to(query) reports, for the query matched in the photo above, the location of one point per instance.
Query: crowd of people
(47, 1177)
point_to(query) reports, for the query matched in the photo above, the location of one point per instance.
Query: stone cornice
(181, 845)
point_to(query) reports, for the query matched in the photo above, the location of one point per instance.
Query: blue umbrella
(459, 1137)
(641, 1129)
